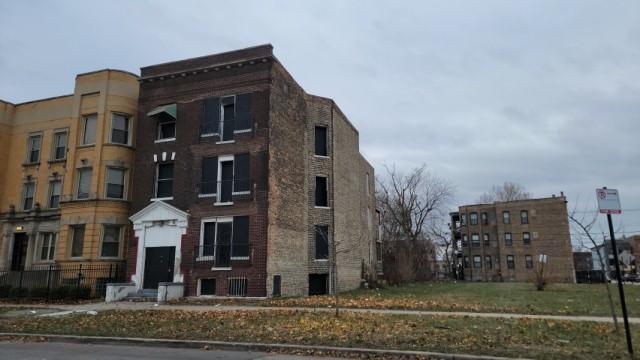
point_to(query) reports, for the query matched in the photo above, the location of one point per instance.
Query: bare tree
(584, 225)
(508, 191)
(335, 247)
(410, 202)
(440, 233)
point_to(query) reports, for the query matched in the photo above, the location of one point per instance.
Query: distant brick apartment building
(65, 173)
(503, 241)
(244, 182)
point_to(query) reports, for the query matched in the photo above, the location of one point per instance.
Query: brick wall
(287, 215)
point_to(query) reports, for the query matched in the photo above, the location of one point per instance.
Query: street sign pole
(609, 203)
(620, 287)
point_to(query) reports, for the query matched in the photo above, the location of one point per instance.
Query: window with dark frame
(487, 262)
(465, 240)
(240, 241)
(463, 219)
(55, 189)
(322, 242)
(120, 129)
(510, 262)
(485, 218)
(473, 218)
(115, 183)
(28, 194)
(166, 130)
(477, 262)
(207, 286)
(466, 261)
(111, 241)
(475, 240)
(164, 180)
(321, 140)
(506, 217)
(89, 124)
(524, 217)
(486, 239)
(508, 239)
(34, 145)
(226, 240)
(60, 139)
(226, 116)
(209, 176)
(528, 260)
(321, 193)
(526, 238)
(84, 183)
(77, 241)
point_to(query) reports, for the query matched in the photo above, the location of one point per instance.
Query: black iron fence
(60, 282)
(590, 277)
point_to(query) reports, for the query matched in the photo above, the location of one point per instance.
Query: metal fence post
(78, 282)
(49, 282)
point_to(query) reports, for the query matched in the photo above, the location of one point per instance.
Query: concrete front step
(143, 295)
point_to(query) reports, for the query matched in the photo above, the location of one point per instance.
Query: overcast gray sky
(543, 93)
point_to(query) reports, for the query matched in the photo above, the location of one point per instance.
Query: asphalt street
(67, 351)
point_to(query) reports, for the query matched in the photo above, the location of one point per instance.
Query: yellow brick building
(65, 174)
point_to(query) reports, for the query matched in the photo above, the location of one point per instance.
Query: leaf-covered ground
(557, 299)
(542, 339)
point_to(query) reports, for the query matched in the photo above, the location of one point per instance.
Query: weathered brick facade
(280, 144)
(546, 224)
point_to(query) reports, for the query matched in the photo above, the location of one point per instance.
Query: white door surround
(158, 224)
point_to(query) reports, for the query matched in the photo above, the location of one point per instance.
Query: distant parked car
(629, 277)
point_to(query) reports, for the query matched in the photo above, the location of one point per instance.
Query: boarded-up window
(243, 112)
(207, 286)
(211, 121)
(321, 141)
(240, 244)
(241, 173)
(321, 191)
(322, 242)
(209, 178)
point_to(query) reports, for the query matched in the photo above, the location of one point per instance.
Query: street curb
(240, 346)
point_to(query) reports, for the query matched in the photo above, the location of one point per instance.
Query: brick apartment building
(503, 241)
(244, 183)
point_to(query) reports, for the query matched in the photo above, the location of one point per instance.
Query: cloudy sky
(543, 93)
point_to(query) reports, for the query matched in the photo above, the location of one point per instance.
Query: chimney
(562, 193)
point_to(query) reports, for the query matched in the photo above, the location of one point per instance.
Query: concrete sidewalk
(151, 306)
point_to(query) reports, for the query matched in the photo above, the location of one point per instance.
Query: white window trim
(155, 190)
(158, 139)
(164, 140)
(72, 229)
(49, 192)
(120, 241)
(53, 145)
(77, 183)
(242, 131)
(38, 250)
(28, 157)
(24, 194)
(221, 159)
(216, 220)
(125, 188)
(209, 134)
(129, 127)
(199, 290)
(221, 125)
(83, 119)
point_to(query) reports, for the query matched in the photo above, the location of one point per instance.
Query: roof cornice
(209, 68)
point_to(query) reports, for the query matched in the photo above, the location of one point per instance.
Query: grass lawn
(557, 299)
(542, 339)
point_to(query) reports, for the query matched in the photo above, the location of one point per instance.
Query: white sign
(608, 201)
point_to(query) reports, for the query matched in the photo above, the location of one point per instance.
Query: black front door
(158, 266)
(19, 256)
(226, 177)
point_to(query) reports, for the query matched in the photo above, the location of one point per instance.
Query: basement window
(208, 286)
(237, 286)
